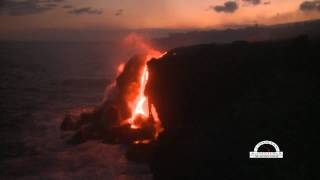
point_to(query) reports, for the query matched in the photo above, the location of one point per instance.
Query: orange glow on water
(147, 141)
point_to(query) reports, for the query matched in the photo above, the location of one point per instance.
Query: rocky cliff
(216, 102)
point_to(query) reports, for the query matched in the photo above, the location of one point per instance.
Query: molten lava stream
(141, 110)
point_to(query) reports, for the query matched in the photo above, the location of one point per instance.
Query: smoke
(123, 91)
(139, 44)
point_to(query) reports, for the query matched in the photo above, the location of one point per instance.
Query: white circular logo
(256, 154)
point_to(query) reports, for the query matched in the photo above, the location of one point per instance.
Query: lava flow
(143, 115)
(125, 115)
(141, 111)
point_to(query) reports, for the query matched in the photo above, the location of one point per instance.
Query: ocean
(39, 83)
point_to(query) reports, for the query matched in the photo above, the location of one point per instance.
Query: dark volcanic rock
(216, 102)
(140, 152)
(68, 123)
(108, 121)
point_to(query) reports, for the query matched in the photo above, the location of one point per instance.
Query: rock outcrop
(216, 102)
(108, 121)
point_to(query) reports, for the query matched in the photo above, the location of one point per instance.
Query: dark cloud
(267, 3)
(30, 7)
(310, 6)
(227, 7)
(119, 12)
(254, 2)
(86, 10)
(26, 7)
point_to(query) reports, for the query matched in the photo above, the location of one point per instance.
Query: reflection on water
(39, 83)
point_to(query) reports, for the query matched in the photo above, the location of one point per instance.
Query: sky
(25, 18)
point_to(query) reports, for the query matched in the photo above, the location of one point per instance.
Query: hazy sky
(32, 15)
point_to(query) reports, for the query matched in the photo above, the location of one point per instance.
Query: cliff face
(216, 102)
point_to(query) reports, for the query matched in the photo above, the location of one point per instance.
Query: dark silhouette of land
(216, 102)
(251, 33)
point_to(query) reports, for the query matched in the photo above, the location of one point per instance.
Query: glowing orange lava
(143, 114)
(141, 105)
